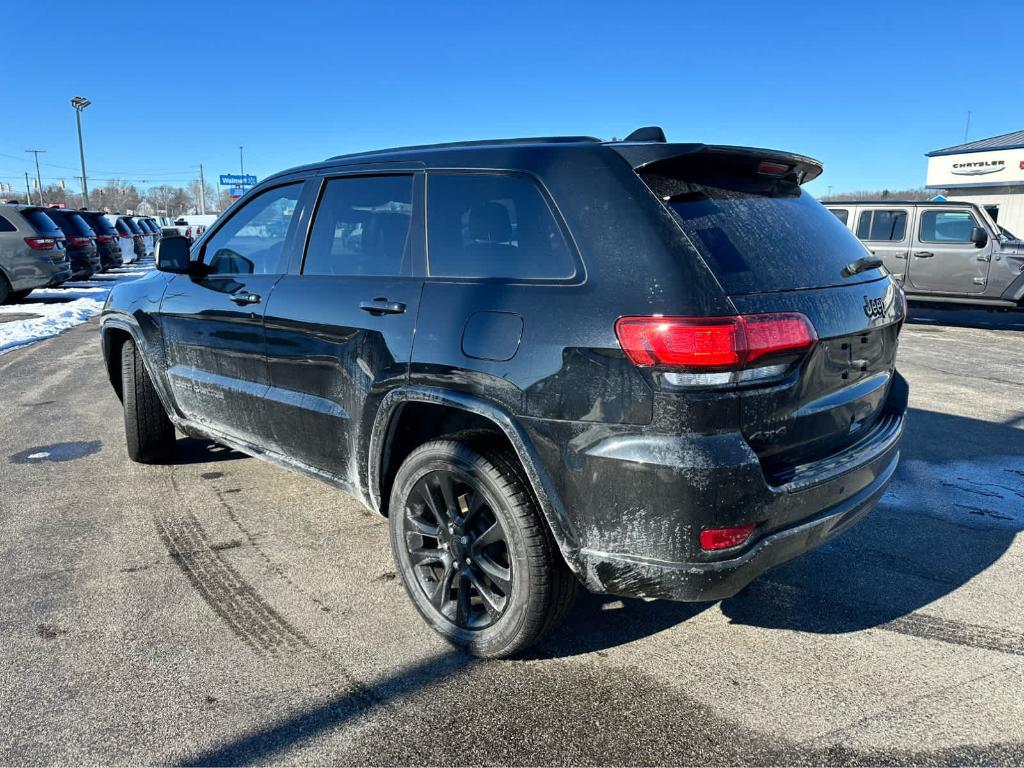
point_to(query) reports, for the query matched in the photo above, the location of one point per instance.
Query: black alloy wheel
(472, 547)
(459, 549)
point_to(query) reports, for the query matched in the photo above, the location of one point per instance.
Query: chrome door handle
(245, 298)
(923, 254)
(984, 258)
(381, 306)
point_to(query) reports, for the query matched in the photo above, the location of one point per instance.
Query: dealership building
(989, 172)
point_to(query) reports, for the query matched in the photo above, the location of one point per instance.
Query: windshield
(1008, 234)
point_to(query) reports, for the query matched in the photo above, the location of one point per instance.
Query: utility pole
(39, 177)
(968, 126)
(202, 191)
(28, 191)
(241, 161)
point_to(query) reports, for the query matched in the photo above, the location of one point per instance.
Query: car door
(943, 257)
(340, 325)
(885, 233)
(213, 325)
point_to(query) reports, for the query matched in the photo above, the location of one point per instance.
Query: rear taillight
(41, 243)
(79, 242)
(188, 232)
(725, 538)
(714, 350)
(104, 238)
(126, 235)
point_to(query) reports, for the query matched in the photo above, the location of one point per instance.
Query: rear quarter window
(882, 225)
(6, 226)
(496, 226)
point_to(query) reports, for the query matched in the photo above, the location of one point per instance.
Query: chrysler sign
(979, 168)
(974, 169)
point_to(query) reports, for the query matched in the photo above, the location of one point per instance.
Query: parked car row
(46, 247)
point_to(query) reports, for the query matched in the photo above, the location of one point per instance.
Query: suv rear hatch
(774, 249)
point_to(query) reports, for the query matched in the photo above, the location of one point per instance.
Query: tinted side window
(362, 227)
(493, 226)
(6, 226)
(882, 225)
(841, 213)
(252, 240)
(947, 226)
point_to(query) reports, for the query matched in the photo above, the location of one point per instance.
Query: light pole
(80, 103)
(39, 178)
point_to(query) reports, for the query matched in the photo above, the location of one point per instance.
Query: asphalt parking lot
(222, 610)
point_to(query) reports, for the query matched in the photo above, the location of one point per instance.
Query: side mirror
(172, 255)
(979, 237)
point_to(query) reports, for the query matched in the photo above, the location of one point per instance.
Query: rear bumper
(623, 575)
(41, 272)
(110, 256)
(635, 502)
(83, 262)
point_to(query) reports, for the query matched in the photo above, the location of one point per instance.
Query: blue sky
(867, 87)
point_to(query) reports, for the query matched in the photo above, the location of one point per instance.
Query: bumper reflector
(724, 538)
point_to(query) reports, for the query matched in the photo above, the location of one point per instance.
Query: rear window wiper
(863, 264)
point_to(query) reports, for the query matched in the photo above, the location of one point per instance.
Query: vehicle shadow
(954, 509)
(966, 317)
(599, 622)
(191, 450)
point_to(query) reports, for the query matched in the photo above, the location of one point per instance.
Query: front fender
(561, 526)
(150, 349)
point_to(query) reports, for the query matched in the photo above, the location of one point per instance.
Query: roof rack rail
(479, 143)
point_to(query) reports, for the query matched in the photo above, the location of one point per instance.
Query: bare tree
(884, 194)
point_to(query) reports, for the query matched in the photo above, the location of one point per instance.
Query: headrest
(489, 223)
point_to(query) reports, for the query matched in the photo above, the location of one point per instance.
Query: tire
(148, 431)
(5, 289)
(16, 296)
(511, 585)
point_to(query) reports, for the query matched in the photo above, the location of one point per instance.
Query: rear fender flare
(382, 432)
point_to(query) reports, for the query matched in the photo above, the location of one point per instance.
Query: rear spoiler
(654, 157)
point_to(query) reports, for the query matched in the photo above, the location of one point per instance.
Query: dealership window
(841, 213)
(882, 225)
(947, 226)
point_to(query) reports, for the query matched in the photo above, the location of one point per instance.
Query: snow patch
(53, 310)
(989, 491)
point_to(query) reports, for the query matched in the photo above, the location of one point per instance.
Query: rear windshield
(99, 224)
(40, 221)
(132, 226)
(122, 227)
(756, 233)
(72, 224)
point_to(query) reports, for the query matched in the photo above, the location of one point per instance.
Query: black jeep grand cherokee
(657, 369)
